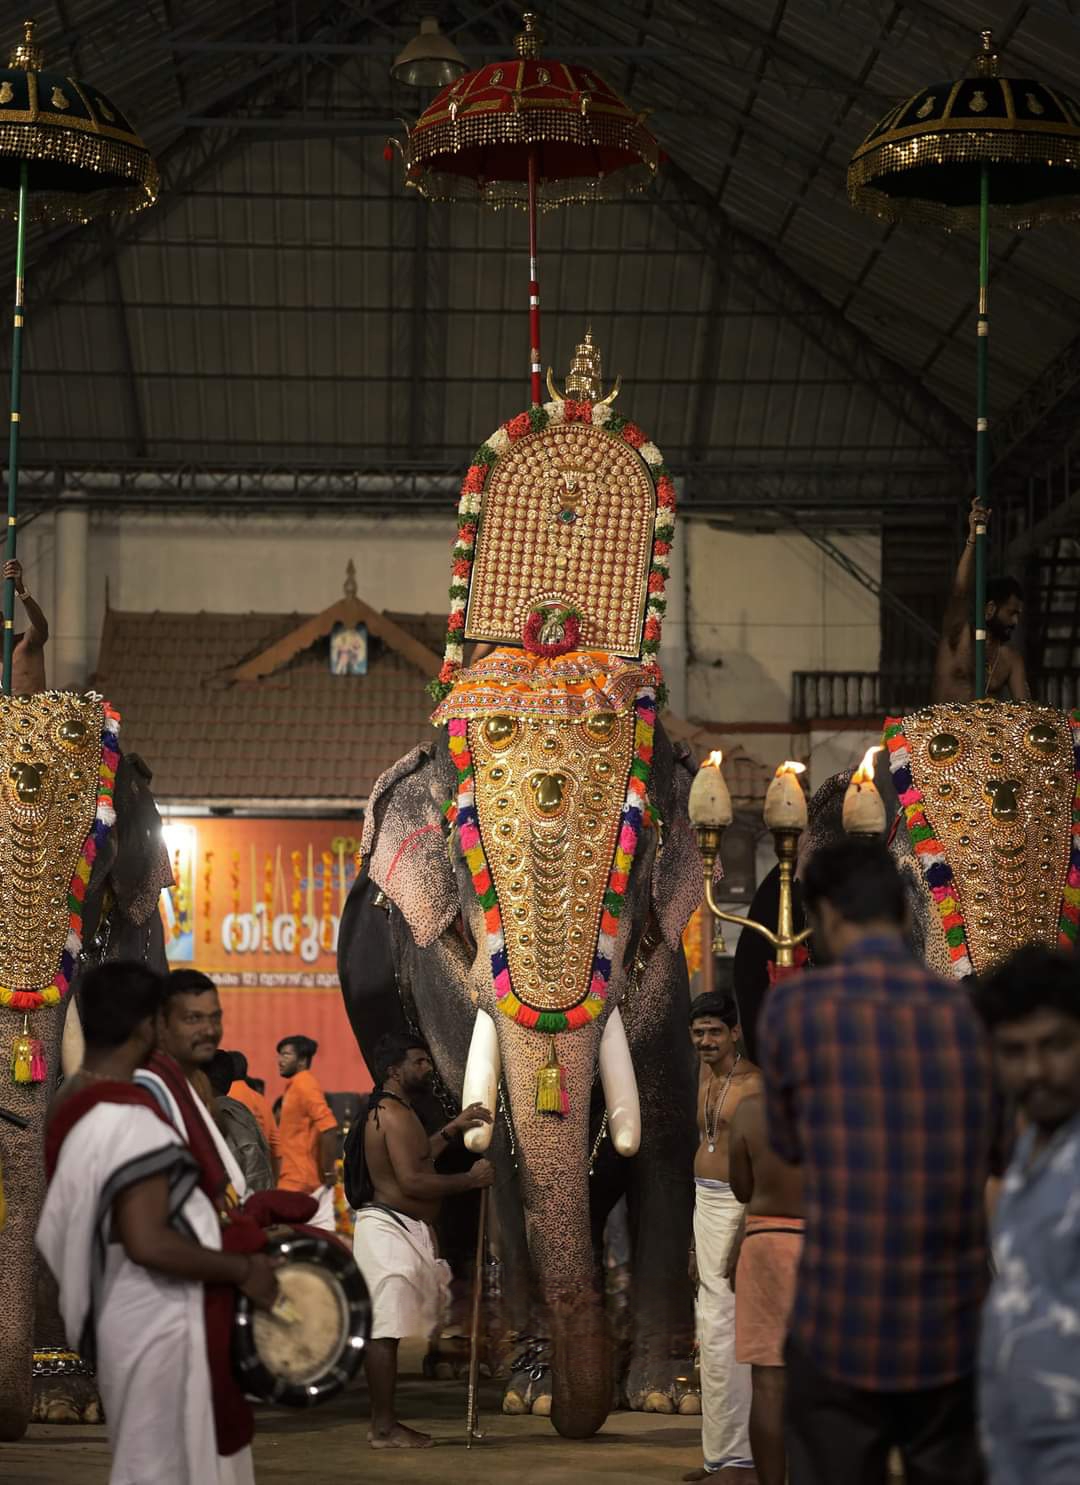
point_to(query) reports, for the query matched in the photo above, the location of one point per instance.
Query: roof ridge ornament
(350, 579)
(584, 381)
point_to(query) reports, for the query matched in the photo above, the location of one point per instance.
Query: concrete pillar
(675, 638)
(70, 662)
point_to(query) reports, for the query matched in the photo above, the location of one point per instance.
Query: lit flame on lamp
(785, 802)
(710, 802)
(864, 808)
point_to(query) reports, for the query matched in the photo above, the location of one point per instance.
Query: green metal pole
(982, 430)
(13, 445)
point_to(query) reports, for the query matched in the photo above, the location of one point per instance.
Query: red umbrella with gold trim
(534, 133)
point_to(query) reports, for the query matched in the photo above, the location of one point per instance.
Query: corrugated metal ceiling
(289, 301)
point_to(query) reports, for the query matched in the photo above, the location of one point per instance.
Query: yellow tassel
(27, 1057)
(551, 1097)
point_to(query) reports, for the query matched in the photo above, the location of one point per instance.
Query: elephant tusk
(481, 1085)
(72, 1045)
(620, 1087)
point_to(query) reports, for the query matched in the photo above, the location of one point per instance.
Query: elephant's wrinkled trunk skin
(555, 1191)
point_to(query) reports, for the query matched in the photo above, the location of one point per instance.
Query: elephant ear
(677, 868)
(140, 869)
(404, 841)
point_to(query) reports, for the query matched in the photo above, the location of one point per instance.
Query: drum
(310, 1344)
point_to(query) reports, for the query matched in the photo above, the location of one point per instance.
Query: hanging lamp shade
(923, 161)
(474, 140)
(85, 158)
(430, 59)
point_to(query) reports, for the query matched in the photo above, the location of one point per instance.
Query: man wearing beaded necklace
(726, 1079)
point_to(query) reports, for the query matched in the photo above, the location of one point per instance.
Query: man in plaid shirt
(878, 1085)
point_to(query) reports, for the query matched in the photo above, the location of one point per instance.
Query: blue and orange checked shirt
(878, 1084)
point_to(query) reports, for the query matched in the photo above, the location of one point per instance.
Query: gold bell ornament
(551, 1095)
(27, 1057)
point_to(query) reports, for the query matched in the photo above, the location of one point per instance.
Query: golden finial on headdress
(584, 382)
(27, 55)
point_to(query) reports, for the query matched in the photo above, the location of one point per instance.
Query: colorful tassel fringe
(27, 1057)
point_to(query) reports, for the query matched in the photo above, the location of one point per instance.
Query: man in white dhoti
(394, 1242)
(726, 1079)
(133, 1239)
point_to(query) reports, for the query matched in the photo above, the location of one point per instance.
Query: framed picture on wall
(349, 650)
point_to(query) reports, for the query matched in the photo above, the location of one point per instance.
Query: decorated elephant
(537, 869)
(982, 807)
(82, 864)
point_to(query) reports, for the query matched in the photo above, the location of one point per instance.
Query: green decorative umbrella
(67, 154)
(979, 151)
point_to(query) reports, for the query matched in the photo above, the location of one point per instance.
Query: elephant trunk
(555, 1193)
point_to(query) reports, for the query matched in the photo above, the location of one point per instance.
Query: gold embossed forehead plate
(998, 780)
(549, 796)
(49, 776)
(567, 518)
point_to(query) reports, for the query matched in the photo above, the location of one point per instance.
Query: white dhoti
(146, 1332)
(325, 1217)
(725, 1384)
(408, 1282)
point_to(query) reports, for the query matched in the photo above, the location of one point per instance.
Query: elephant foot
(66, 1398)
(529, 1387)
(664, 1386)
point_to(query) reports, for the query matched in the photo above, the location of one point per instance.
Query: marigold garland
(1069, 923)
(928, 849)
(104, 820)
(630, 825)
(552, 414)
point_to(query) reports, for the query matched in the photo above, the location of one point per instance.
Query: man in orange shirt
(256, 1104)
(308, 1135)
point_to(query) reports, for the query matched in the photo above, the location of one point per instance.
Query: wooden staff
(471, 1430)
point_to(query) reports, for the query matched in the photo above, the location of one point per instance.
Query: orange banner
(256, 906)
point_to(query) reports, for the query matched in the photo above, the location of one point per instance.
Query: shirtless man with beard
(954, 668)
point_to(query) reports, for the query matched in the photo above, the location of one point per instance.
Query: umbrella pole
(473, 1404)
(534, 283)
(13, 444)
(982, 430)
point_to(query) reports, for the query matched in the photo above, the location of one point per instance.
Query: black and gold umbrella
(977, 152)
(67, 154)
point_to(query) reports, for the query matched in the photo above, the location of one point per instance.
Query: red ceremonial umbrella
(530, 132)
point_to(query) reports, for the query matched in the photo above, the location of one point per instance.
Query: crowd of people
(891, 1296)
(886, 1240)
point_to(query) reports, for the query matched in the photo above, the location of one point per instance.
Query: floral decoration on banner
(208, 880)
(1069, 923)
(551, 415)
(326, 922)
(630, 826)
(929, 850)
(104, 820)
(234, 882)
(296, 902)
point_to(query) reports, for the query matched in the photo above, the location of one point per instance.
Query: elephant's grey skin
(134, 867)
(433, 933)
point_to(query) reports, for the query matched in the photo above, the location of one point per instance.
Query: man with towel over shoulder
(394, 1241)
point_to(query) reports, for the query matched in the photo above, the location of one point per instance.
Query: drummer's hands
(260, 1285)
(471, 1118)
(482, 1174)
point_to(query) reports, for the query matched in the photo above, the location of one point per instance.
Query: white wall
(762, 606)
(186, 562)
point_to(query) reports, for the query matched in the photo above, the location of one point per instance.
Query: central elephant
(428, 947)
(538, 869)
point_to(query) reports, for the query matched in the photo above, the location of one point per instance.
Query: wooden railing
(870, 695)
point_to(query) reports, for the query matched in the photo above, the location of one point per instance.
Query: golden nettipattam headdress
(566, 518)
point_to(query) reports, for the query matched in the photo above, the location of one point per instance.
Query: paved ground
(328, 1447)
